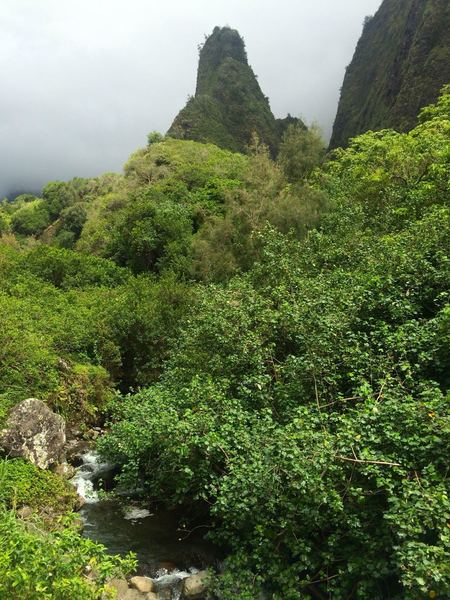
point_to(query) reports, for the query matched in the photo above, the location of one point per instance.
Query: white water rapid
(90, 471)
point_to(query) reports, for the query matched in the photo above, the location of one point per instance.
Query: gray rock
(75, 449)
(34, 432)
(142, 584)
(194, 586)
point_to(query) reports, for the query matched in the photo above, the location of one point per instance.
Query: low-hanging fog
(84, 81)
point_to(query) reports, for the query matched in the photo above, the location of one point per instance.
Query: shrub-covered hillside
(279, 338)
(306, 400)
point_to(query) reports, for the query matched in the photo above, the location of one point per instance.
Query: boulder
(194, 586)
(34, 432)
(142, 584)
(93, 434)
(120, 585)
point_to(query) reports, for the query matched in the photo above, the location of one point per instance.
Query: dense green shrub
(306, 401)
(31, 219)
(302, 397)
(23, 483)
(301, 150)
(70, 270)
(40, 565)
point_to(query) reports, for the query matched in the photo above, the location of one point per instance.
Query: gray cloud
(84, 81)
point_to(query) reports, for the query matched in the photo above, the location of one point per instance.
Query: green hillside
(400, 64)
(269, 354)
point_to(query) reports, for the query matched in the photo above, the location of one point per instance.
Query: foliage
(74, 325)
(31, 219)
(305, 401)
(229, 242)
(39, 565)
(298, 388)
(172, 187)
(301, 150)
(23, 483)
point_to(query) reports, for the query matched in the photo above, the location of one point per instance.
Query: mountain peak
(229, 105)
(224, 43)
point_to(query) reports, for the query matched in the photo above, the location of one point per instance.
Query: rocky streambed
(171, 562)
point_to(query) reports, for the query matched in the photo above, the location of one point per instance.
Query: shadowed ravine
(164, 551)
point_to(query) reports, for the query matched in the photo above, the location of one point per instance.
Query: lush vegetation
(410, 43)
(279, 333)
(24, 484)
(42, 559)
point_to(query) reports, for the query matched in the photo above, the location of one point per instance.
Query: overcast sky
(84, 81)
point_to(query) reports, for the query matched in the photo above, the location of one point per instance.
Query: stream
(164, 553)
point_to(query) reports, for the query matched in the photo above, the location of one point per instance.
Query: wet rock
(65, 470)
(35, 433)
(80, 502)
(120, 585)
(75, 449)
(194, 586)
(166, 566)
(165, 594)
(142, 584)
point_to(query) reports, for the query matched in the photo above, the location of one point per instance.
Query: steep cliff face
(228, 106)
(401, 62)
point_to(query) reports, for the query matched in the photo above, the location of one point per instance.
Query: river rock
(194, 586)
(120, 585)
(132, 594)
(65, 470)
(142, 584)
(34, 432)
(75, 449)
(167, 566)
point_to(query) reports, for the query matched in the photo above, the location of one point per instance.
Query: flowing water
(164, 552)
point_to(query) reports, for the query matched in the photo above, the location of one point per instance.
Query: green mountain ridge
(401, 62)
(229, 105)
